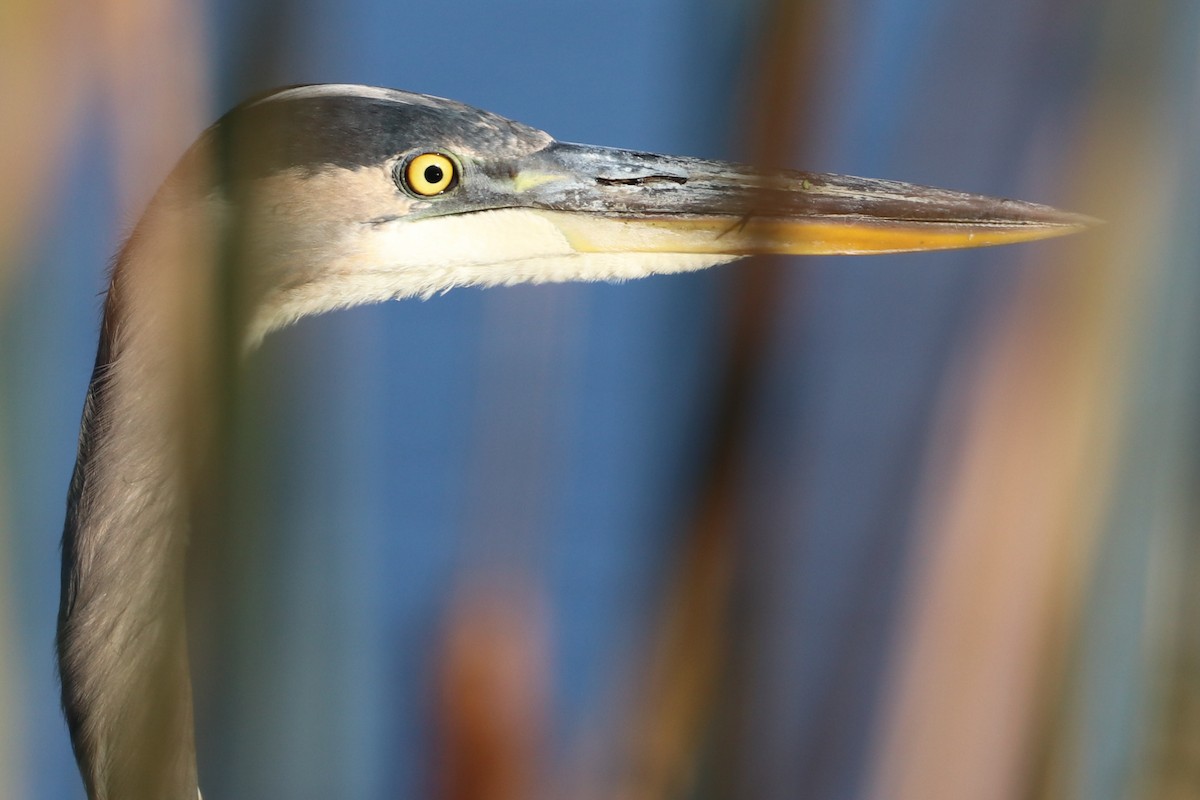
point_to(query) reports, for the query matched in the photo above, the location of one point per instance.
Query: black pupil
(433, 174)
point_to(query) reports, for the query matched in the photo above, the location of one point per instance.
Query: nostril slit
(642, 180)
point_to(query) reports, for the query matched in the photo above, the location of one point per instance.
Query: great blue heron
(337, 195)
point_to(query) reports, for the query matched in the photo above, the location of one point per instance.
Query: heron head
(351, 194)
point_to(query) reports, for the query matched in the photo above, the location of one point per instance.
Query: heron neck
(122, 640)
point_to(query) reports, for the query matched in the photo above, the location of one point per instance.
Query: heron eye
(429, 174)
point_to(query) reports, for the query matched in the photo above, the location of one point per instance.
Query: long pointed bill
(639, 202)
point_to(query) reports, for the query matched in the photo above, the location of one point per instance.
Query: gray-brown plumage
(341, 195)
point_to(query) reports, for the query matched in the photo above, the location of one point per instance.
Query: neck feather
(122, 645)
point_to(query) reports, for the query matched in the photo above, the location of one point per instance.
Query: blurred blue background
(560, 434)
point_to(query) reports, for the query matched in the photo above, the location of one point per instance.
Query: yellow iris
(430, 173)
